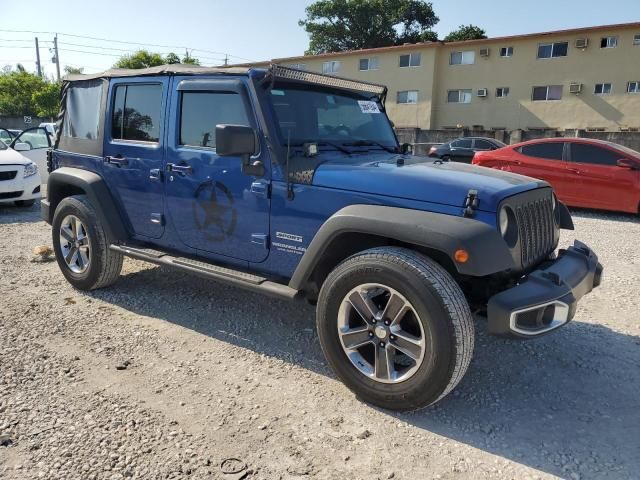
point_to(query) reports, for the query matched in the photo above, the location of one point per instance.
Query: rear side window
(461, 144)
(136, 113)
(483, 145)
(550, 151)
(585, 153)
(82, 115)
(202, 111)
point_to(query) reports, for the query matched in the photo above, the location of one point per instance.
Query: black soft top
(175, 69)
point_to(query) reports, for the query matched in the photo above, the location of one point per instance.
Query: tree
(145, 59)
(466, 32)
(69, 70)
(46, 101)
(16, 92)
(340, 25)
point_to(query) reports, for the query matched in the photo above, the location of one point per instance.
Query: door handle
(514, 162)
(573, 170)
(183, 169)
(118, 161)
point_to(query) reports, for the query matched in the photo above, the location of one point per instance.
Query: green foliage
(46, 101)
(73, 70)
(339, 25)
(466, 32)
(145, 59)
(18, 90)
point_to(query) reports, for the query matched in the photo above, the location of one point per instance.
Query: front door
(212, 204)
(33, 143)
(134, 151)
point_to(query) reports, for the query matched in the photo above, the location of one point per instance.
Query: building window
(331, 67)
(459, 96)
(298, 66)
(462, 58)
(609, 42)
(506, 52)
(546, 93)
(602, 89)
(553, 50)
(408, 96)
(410, 60)
(369, 64)
(502, 92)
(633, 87)
(636, 40)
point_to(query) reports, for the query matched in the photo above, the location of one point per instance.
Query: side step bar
(237, 278)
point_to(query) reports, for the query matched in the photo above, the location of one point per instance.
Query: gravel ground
(165, 376)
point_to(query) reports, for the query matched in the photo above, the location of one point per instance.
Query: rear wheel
(81, 245)
(395, 327)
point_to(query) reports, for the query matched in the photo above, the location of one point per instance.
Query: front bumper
(20, 188)
(547, 298)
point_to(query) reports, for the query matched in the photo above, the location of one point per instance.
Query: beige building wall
(435, 77)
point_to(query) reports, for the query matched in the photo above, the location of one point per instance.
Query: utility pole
(57, 57)
(226, 60)
(38, 59)
(186, 55)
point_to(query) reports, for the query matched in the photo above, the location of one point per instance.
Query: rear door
(462, 150)
(601, 183)
(212, 204)
(545, 161)
(134, 150)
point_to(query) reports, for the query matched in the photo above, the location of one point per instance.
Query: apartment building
(586, 78)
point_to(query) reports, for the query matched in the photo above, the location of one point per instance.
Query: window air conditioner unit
(575, 88)
(582, 43)
(484, 52)
(483, 92)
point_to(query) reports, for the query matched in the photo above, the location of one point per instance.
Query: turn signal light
(461, 256)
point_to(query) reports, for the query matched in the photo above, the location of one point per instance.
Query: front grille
(7, 195)
(10, 175)
(538, 231)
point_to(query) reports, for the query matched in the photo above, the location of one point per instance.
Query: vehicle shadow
(565, 404)
(10, 213)
(604, 215)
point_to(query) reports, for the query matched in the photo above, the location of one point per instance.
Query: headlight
(30, 169)
(508, 226)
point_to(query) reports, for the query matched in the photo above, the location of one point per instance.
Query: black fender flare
(488, 252)
(95, 188)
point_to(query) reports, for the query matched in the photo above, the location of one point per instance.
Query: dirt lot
(165, 376)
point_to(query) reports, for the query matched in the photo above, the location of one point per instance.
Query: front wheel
(81, 245)
(395, 327)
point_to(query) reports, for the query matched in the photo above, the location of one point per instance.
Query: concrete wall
(15, 122)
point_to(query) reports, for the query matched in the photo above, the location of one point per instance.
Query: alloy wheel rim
(74, 244)
(381, 334)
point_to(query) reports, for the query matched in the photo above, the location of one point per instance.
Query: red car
(583, 173)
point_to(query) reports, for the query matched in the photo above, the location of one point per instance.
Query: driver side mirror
(239, 141)
(22, 147)
(628, 163)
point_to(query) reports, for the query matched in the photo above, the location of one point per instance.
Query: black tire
(104, 264)
(445, 158)
(24, 203)
(442, 310)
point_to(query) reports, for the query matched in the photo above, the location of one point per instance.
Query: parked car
(19, 178)
(463, 149)
(293, 184)
(583, 172)
(50, 127)
(33, 143)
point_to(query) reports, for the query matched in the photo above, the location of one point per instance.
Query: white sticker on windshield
(368, 106)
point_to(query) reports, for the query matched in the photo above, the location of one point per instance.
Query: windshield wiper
(324, 142)
(370, 143)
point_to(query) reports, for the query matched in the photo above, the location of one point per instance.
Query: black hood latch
(471, 203)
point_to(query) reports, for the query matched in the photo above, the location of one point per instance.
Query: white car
(19, 178)
(33, 143)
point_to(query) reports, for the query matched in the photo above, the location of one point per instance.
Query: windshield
(2, 146)
(330, 117)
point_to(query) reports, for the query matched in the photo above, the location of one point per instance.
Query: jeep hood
(422, 178)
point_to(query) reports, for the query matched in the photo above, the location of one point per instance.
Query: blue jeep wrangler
(293, 184)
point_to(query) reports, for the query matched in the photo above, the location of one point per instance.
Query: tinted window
(202, 111)
(584, 153)
(461, 144)
(483, 144)
(136, 113)
(551, 151)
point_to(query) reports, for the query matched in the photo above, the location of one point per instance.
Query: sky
(243, 30)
